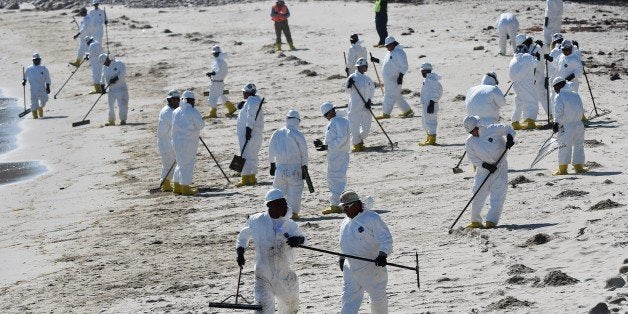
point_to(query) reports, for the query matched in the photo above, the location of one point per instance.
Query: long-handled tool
(106, 29)
(377, 74)
(392, 145)
(83, 122)
(158, 189)
(75, 22)
(237, 163)
(549, 125)
(590, 92)
(551, 144)
(457, 169)
(66, 81)
(416, 268)
(236, 305)
(344, 54)
(509, 87)
(26, 111)
(476, 192)
(216, 161)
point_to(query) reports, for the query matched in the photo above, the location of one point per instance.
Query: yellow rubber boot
(252, 180)
(489, 225)
(383, 116)
(166, 186)
(278, 47)
(295, 216)
(562, 170)
(516, 125)
(188, 190)
(359, 147)
(122, 122)
(475, 224)
(35, 114)
(291, 45)
(76, 62)
(407, 114)
(40, 112)
(244, 180)
(212, 114)
(176, 188)
(110, 123)
(579, 168)
(230, 107)
(96, 90)
(584, 119)
(529, 124)
(333, 209)
(430, 140)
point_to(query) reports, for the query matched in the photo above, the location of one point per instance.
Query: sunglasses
(347, 205)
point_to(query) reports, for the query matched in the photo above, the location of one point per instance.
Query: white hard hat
(556, 37)
(326, 107)
(361, 62)
(88, 38)
(389, 40)
(96, 2)
(36, 56)
(216, 48)
(293, 114)
(557, 80)
(187, 94)
(173, 94)
(567, 44)
(426, 66)
(470, 123)
(348, 197)
(274, 195)
(250, 88)
(520, 39)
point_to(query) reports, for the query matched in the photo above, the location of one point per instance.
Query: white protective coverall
(356, 51)
(359, 116)
(118, 92)
(365, 235)
(97, 17)
(164, 141)
(288, 149)
(94, 50)
(187, 123)
(507, 26)
(431, 90)
(395, 62)
(522, 74)
(338, 145)
(539, 78)
(216, 88)
(487, 148)
(553, 19)
(37, 77)
(246, 118)
(568, 65)
(569, 111)
(485, 100)
(86, 29)
(273, 256)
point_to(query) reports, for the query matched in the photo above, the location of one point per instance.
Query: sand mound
(592, 165)
(537, 239)
(592, 143)
(508, 303)
(558, 278)
(519, 180)
(571, 193)
(605, 204)
(518, 269)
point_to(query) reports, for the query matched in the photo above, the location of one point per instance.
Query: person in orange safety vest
(279, 13)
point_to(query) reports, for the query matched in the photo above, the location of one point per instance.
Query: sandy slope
(88, 237)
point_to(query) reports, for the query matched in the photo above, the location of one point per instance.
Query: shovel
(236, 305)
(456, 169)
(83, 122)
(26, 111)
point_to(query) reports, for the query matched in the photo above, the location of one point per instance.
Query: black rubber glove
(400, 79)
(546, 21)
(103, 89)
(347, 71)
(303, 172)
(210, 74)
(322, 148)
(113, 80)
(295, 241)
(248, 133)
(87, 56)
(546, 84)
(241, 104)
(106, 22)
(373, 59)
(537, 56)
(490, 167)
(548, 57)
(350, 82)
(555, 127)
(240, 259)
(272, 169)
(23, 82)
(76, 36)
(318, 143)
(380, 260)
(575, 43)
(570, 77)
(47, 88)
(430, 107)
(509, 141)
(368, 104)
(341, 263)
(539, 42)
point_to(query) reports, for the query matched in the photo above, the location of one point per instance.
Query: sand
(86, 236)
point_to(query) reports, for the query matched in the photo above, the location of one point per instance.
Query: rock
(478, 48)
(537, 239)
(605, 204)
(167, 31)
(614, 283)
(600, 308)
(518, 269)
(607, 181)
(615, 76)
(507, 303)
(623, 269)
(558, 278)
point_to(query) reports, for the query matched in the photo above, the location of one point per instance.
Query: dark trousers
(282, 26)
(381, 20)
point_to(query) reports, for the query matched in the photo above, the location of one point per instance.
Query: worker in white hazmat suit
(85, 29)
(356, 51)
(98, 18)
(553, 19)
(38, 78)
(431, 92)
(250, 128)
(363, 233)
(287, 153)
(569, 65)
(360, 115)
(535, 48)
(507, 27)
(164, 139)
(485, 100)
(274, 236)
(217, 75)
(484, 147)
(187, 124)
(337, 145)
(394, 68)
(95, 50)
(521, 73)
(113, 76)
(570, 129)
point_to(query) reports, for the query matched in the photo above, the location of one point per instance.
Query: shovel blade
(237, 163)
(457, 170)
(25, 112)
(238, 306)
(75, 124)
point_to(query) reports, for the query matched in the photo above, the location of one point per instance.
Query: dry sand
(88, 237)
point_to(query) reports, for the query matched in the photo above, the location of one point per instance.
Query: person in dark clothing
(381, 21)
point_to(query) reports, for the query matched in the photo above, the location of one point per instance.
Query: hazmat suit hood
(487, 80)
(292, 124)
(433, 76)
